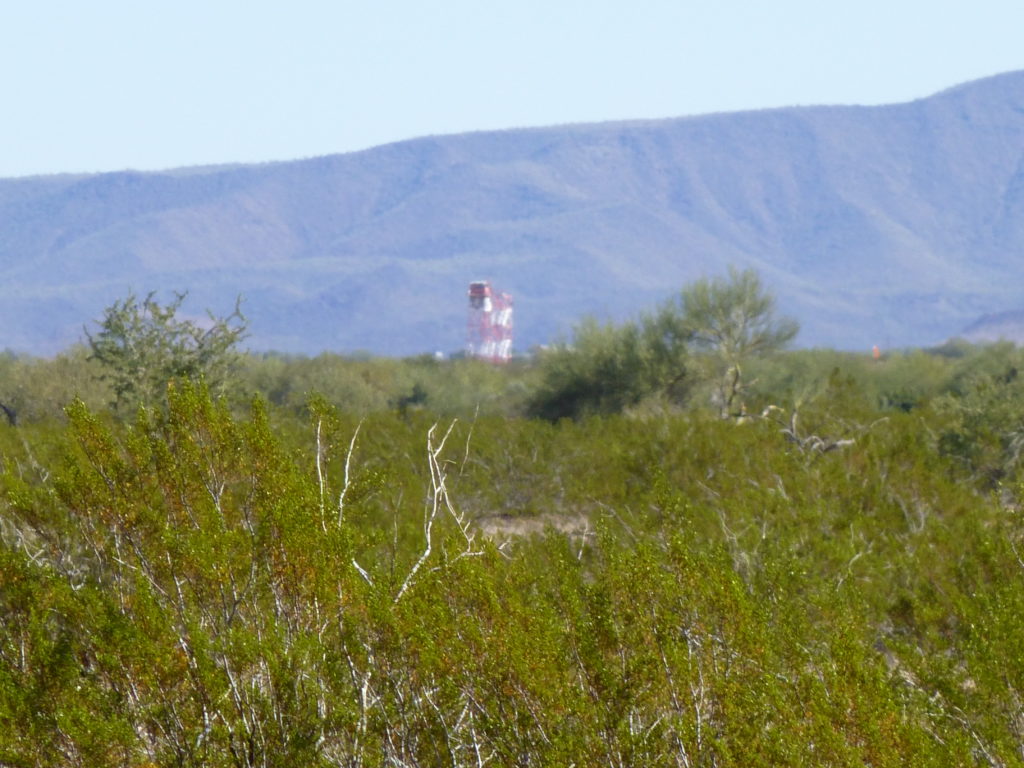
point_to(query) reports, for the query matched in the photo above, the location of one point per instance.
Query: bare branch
(348, 465)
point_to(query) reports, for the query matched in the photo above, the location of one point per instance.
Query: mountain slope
(895, 225)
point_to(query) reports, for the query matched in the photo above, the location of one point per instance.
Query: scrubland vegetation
(652, 546)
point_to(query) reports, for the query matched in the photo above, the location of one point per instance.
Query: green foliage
(609, 368)
(985, 412)
(732, 320)
(33, 389)
(401, 571)
(203, 588)
(362, 386)
(143, 345)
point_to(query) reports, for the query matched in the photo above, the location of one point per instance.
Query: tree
(608, 368)
(984, 412)
(731, 319)
(142, 345)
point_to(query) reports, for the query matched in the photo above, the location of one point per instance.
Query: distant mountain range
(893, 225)
(1001, 326)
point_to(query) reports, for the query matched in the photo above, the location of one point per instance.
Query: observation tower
(489, 328)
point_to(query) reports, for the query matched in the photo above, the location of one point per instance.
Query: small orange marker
(876, 353)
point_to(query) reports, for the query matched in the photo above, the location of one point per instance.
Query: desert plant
(731, 320)
(142, 345)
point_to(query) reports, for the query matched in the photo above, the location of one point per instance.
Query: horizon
(114, 87)
(273, 161)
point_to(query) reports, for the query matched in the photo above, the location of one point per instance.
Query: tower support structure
(489, 326)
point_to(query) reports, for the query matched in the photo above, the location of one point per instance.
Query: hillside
(1001, 326)
(894, 225)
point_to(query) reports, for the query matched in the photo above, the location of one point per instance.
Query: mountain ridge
(896, 224)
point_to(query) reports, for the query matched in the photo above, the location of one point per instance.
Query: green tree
(608, 368)
(732, 319)
(985, 411)
(142, 345)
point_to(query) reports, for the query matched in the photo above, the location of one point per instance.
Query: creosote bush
(199, 587)
(404, 570)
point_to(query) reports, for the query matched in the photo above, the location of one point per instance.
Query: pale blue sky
(114, 84)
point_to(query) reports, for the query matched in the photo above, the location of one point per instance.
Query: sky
(152, 84)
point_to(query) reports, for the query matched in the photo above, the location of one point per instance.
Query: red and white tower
(489, 330)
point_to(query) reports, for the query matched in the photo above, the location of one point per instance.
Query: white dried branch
(320, 475)
(438, 501)
(348, 476)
